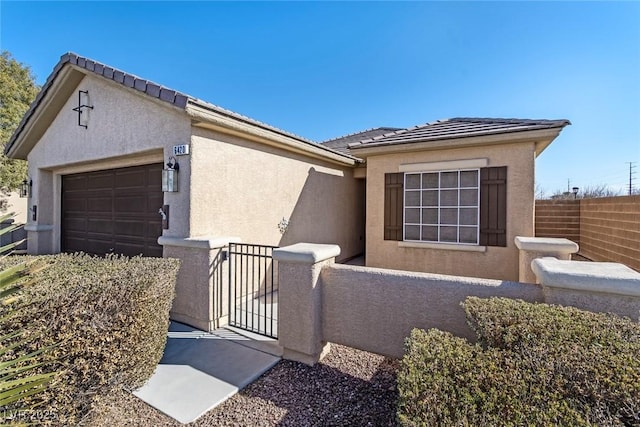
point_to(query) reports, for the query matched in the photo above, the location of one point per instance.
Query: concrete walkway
(200, 370)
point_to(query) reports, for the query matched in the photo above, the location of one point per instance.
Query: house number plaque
(181, 150)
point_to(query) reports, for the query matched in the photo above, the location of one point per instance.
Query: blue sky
(322, 70)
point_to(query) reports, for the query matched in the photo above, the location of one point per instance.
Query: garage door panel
(103, 242)
(124, 229)
(144, 215)
(154, 228)
(130, 204)
(99, 204)
(154, 203)
(100, 181)
(129, 250)
(76, 236)
(131, 179)
(99, 246)
(154, 179)
(74, 183)
(76, 205)
(134, 250)
(74, 244)
(74, 224)
(113, 211)
(101, 226)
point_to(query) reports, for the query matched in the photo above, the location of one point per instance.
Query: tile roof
(154, 90)
(382, 136)
(459, 127)
(342, 143)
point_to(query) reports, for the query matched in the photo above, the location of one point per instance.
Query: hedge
(534, 364)
(109, 319)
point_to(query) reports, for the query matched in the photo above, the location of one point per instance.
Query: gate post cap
(308, 253)
(600, 277)
(546, 244)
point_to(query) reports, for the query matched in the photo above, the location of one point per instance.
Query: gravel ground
(348, 388)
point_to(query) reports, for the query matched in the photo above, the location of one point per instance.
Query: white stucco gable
(122, 123)
(125, 128)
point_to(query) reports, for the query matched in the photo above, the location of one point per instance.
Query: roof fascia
(45, 112)
(207, 119)
(57, 94)
(542, 138)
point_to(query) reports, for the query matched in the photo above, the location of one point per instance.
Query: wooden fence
(558, 218)
(607, 229)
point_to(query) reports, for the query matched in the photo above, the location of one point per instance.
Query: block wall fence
(375, 309)
(607, 229)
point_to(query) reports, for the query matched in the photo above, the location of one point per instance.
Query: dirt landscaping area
(349, 387)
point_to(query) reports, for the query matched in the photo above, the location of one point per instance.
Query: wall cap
(38, 227)
(546, 244)
(198, 242)
(604, 277)
(307, 253)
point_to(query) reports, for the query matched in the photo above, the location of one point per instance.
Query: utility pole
(631, 173)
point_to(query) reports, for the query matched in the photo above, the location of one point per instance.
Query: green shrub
(444, 380)
(593, 358)
(508, 323)
(109, 317)
(534, 364)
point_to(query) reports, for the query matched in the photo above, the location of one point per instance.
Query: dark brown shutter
(393, 204)
(493, 206)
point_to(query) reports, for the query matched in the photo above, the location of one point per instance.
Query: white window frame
(416, 170)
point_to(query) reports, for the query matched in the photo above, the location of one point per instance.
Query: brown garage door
(113, 211)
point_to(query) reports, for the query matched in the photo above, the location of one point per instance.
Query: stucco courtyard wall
(375, 309)
(245, 189)
(201, 288)
(494, 262)
(389, 303)
(125, 128)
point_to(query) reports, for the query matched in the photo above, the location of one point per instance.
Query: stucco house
(450, 196)
(445, 197)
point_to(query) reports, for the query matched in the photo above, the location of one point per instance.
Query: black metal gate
(253, 289)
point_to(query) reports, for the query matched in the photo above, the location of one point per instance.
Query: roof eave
(542, 144)
(542, 138)
(42, 112)
(63, 80)
(205, 117)
(71, 69)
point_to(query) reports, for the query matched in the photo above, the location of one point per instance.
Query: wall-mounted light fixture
(283, 225)
(82, 108)
(170, 176)
(25, 188)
